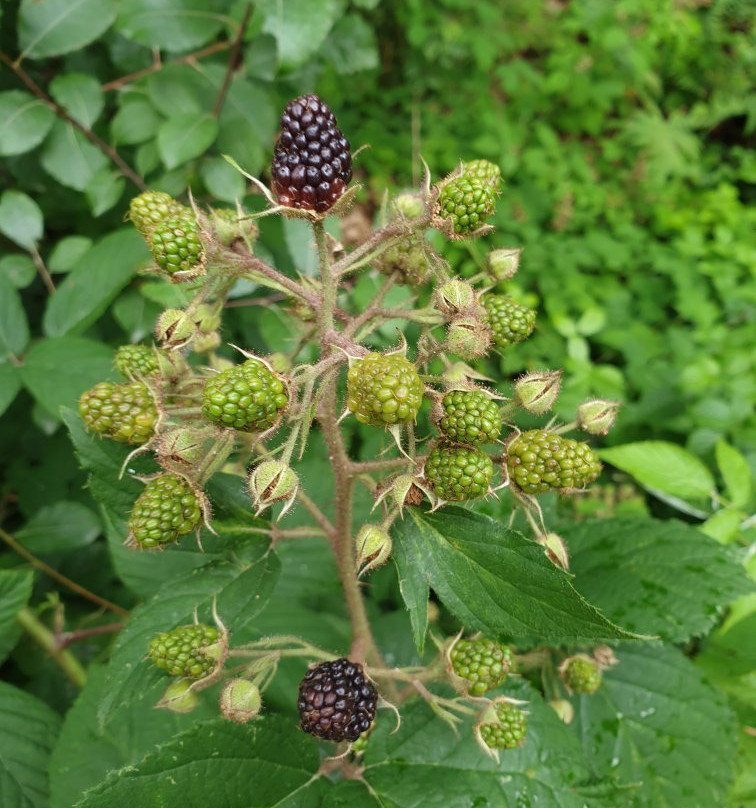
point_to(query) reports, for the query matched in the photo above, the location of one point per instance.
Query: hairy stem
(47, 640)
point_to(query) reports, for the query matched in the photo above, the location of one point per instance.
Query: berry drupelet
(336, 701)
(312, 164)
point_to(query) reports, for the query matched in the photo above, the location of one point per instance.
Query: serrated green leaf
(85, 753)
(61, 527)
(70, 158)
(426, 763)
(98, 278)
(493, 579)
(15, 591)
(185, 136)
(10, 384)
(659, 578)
(663, 466)
(81, 96)
(176, 25)
(736, 473)
(28, 728)
(657, 724)
(135, 122)
(57, 371)
(14, 327)
(724, 525)
(20, 219)
(299, 27)
(52, 27)
(24, 122)
(219, 764)
(67, 253)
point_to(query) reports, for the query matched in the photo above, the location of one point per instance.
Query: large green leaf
(220, 764)
(493, 579)
(57, 371)
(27, 733)
(426, 763)
(20, 219)
(70, 158)
(175, 25)
(60, 527)
(99, 276)
(81, 95)
(655, 723)
(15, 591)
(185, 136)
(654, 577)
(299, 26)
(10, 384)
(24, 122)
(14, 327)
(52, 27)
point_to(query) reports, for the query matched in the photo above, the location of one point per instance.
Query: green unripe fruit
(458, 473)
(122, 412)
(466, 203)
(508, 321)
(240, 701)
(184, 651)
(510, 729)
(179, 697)
(470, 416)
(135, 361)
(176, 245)
(482, 664)
(150, 208)
(167, 509)
(581, 674)
(384, 389)
(483, 170)
(408, 205)
(409, 258)
(540, 461)
(248, 397)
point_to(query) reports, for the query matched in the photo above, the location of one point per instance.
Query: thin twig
(233, 62)
(70, 637)
(316, 513)
(42, 269)
(67, 582)
(106, 149)
(46, 639)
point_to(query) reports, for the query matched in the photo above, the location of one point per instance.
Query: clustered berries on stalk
(197, 411)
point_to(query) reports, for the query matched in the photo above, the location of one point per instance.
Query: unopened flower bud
(408, 205)
(181, 448)
(537, 392)
(205, 343)
(468, 338)
(597, 416)
(556, 549)
(207, 318)
(503, 264)
(175, 329)
(563, 709)
(230, 226)
(454, 297)
(240, 701)
(373, 547)
(273, 481)
(179, 697)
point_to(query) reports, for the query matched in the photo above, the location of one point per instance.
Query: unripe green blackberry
(483, 170)
(135, 361)
(384, 389)
(409, 258)
(508, 321)
(581, 674)
(183, 651)
(458, 473)
(540, 461)
(167, 509)
(470, 416)
(483, 664)
(150, 208)
(248, 397)
(465, 202)
(176, 245)
(123, 412)
(510, 729)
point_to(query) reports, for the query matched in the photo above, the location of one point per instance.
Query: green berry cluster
(458, 473)
(581, 674)
(176, 245)
(135, 361)
(508, 321)
(167, 509)
(482, 663)
(510, 729)
(150, 208)
(470, 416)
(122, 412)
(410, 259)
(483, 170)
(182, 651)
(248, 397)
(540, 461)
(384, 389)
(466, 202)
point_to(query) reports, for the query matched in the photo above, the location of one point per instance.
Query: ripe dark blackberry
(312, 164)
(336, 701)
